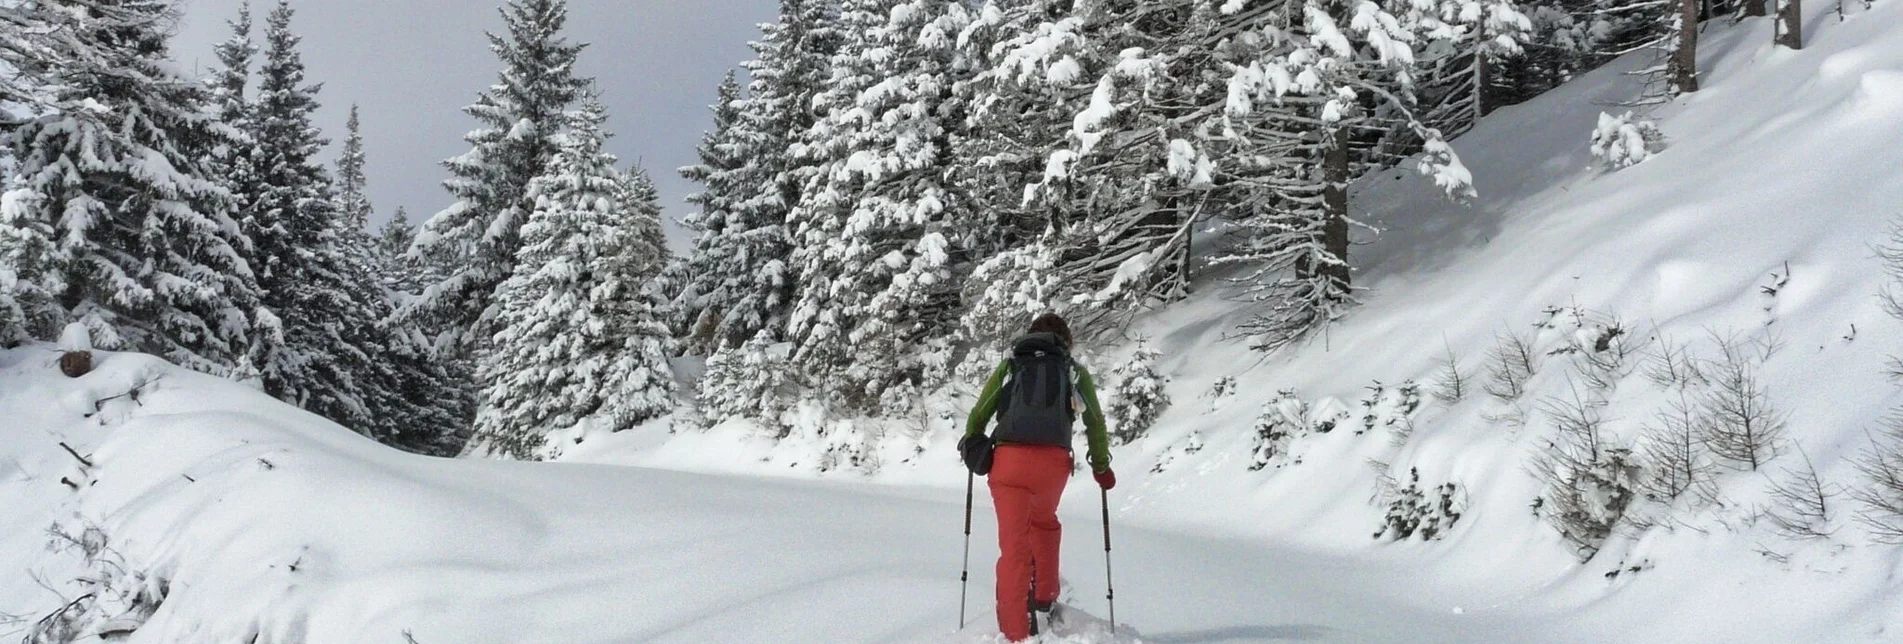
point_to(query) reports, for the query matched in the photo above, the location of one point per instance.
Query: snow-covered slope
(211, 513)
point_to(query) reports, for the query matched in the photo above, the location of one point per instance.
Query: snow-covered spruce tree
(1025, 87)
(428, 408)
(578, 346)
(748, 381)
(312, 258)
(116, 157)
(873, 229)
(353, 203)
(1139, 396)
(746, 284)
(1307, 81)
(476, 238)
(1124, 197)
(706, 276)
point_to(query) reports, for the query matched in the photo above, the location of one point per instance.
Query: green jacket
(1086, 388)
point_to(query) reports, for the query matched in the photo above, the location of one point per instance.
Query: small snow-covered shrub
(1624, 141)
(1221, 392)
(1390, 408)
(1590, 482)
(1282, 420)
(1412, 512)
(1190, 445)
(116, 599)
(1138, 397)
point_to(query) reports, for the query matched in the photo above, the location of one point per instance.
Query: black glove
(976, 452)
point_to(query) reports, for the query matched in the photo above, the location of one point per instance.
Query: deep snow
(266, 520)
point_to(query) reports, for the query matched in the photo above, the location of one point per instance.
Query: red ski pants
(1026, 483)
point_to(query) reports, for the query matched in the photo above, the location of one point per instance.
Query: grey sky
(413, 64)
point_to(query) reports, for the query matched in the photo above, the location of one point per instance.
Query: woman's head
(1054, 324)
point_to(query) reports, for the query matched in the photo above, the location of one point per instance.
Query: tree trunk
(1483, 78)
(1755, 8)
(1685, 59)
(1335, 229)
(1790, 24)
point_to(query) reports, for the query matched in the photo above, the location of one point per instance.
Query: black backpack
(1034, 407)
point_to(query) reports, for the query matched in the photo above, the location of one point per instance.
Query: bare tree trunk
(1685, 58)
(1335, 230)
(1790, 23)
(1483, 74)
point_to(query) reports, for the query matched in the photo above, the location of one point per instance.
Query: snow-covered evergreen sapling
(1624, 141)
(1413, 512)
(1139, 396)
(748, 381)
(1590, 481)
(1282, 421)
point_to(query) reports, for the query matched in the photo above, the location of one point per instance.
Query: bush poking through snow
(1881, 494)
(1605, 352)
(1804, 503)
(1672, 366)
(1450, 382)
(1139, 397)
(1511, 364)
(1414, 513)
(1589, 481)
(1739, 423)
(1281, 421)
(1676, 461)
(1623, 141)
(118, 598)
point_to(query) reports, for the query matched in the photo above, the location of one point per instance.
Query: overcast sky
(413, 64)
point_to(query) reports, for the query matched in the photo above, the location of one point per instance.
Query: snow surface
(264, 520)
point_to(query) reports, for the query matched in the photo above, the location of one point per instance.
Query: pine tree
(751, 288)
(475, 240)
(874, 228)
(312, 278)
(579, 348)
(117, 158)
(400, 273)
(1026, 87)
(706, 279)
(351, 182)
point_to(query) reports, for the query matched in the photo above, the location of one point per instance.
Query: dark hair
(1052, 323)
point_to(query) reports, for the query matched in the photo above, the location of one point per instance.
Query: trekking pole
(964, 575)
(1109, 585)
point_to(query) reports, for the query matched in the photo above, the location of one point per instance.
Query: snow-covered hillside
(200, 510)
(1759, 223)
(204, 511)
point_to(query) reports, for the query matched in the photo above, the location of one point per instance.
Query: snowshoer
(1036, 394)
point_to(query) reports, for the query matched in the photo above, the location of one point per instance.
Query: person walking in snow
(1036, 395)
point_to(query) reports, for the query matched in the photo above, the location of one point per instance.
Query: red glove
(1105, 479)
